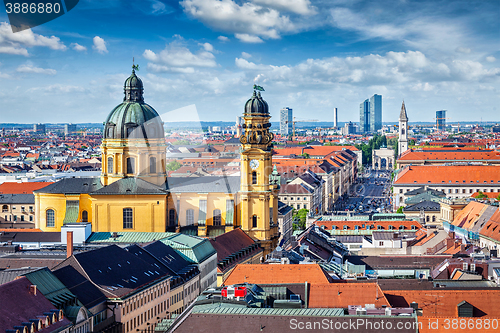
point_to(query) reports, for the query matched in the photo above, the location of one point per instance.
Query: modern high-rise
(441, 120)
(286, 119)
(39, 128)
(370, 114)
(335, 117)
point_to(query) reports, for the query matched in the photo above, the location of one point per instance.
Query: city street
(371, 194)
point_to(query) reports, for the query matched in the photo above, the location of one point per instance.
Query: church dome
(256, 105)
(133, 118)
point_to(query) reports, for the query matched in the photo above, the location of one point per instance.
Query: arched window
(254, 177)
(50, 218)
(128, 219)
(427, 218)
(190, 217)
(254, 221)
(171, 217)
(216, 217)
(85, 216)
(391, 227)
(152, 165)
(110, 164)
(5, 208)
(434, 218)
(131, 165)
(403, 131)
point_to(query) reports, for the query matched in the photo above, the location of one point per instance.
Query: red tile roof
(22, 188)
(450, 175)
(281, 274)
(447, 154)
(341, 295)
(351, 225)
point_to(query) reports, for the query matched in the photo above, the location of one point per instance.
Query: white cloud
(490, 59)
(247, 19)
(223, 39)
(178, 58)
(245, 64)
(246, 55)
(462, 49)
(58, 88)
(208, 47)
(78, 47)
(17, 43)
(99, 45)
(302, 7)
(29, 68)
(246, 38)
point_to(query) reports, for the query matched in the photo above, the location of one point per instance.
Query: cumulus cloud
(18, 43)
(178, 58)
(99, 45)
(302, 7)
(208, 47)
(246, 55)
(78, 47)
(249, 20)
(223, 39)
(490, 59)
(462, 49)
(29, 68)
(246, 38)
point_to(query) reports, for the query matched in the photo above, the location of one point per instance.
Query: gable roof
(341, 295)
(231, 243)
(73, 186)
(454, 175)
(278, 274)
(207, 184)
(130, 186)
(22, 188)
(195, 248)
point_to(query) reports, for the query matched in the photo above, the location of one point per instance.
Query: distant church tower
(133, 143)
(403, 130)
(258, 198)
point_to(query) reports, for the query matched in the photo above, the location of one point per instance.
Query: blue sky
(205, 55)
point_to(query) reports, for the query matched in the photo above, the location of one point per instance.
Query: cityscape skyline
(309, 55)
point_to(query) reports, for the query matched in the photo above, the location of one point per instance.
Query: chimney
(69, 245)
(33, 289)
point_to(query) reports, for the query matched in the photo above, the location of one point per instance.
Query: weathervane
(259, 88)
(134, 67)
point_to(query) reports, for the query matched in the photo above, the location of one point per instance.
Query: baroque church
(133, 192)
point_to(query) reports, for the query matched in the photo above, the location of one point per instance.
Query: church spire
(402, 114)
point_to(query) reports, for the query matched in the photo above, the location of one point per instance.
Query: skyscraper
(370, 114)
(441, 120)
(335, 118)
(286, 119)
(375, 113)
(364, 116)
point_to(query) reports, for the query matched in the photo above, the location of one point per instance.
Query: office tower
(69, 129)
(364, 117)
(370, 114)
(441, 120)
(286, 119)
(335, 117)
(239, 121)
(375, 113)
(39, 128)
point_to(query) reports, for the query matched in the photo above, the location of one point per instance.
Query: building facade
(370, 114)
(286, 121)
(403, 130)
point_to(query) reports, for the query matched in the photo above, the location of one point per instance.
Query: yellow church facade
(134, 194)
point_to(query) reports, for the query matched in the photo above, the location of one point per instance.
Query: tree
(481, 195)
(300, 217)
(498, 198)
(305, 155)
(174, 165)
(400, 210)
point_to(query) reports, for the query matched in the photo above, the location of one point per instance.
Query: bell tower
(403, 130)
(258, 197)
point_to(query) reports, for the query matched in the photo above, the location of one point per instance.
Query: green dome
(256, 105)
(133, 118)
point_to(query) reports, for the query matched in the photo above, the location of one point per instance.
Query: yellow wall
(149, 212)
(57, 202)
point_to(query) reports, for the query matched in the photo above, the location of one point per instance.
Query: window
(190, 217)
(22, 217)
(427, 219)
(216, 217)
(171, 217)
(50, 218)
(401, 227)
(254, 177)
(5, 208)
(31, 209)
(434, 218)
(152, 165)
(128, 221)
(379, 227)
(391, 227)
(85, 216)
(23, 209)
(130, 165)
(15, 218)
(380, 243)
(254, 221)
(31, 218)
(110, 164)
(413, 227)
(298, 206)
(345, 227)
(305, 198)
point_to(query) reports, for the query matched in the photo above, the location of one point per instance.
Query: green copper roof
(195, 248)
(127, 237)
(72, 211)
